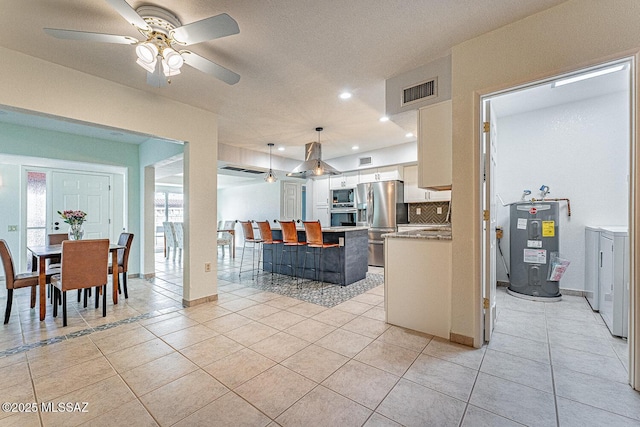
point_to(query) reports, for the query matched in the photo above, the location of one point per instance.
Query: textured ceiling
(294, 58)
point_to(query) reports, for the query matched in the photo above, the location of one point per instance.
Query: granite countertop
(330, 229)
(429, 232)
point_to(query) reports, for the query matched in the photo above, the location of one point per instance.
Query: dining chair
(249, 238)
(225, 238)
(315, 243)
(56, 239)
(268, 242)
(84, 265)
(54, 262)
(290, 242)
(169, 239)
(178, 231)
(17, 281)
(123, 261)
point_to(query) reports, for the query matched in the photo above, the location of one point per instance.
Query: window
(168, 207)
(36, 208)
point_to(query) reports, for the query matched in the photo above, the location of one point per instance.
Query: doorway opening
(566, 141)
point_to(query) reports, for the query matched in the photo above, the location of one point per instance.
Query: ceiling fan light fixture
(174, 59)
(167, 70)
(149, 66)
(147, 52)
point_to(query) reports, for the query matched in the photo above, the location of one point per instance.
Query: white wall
(257, 202)
(570, 36)
(581, 151)
(36, 85)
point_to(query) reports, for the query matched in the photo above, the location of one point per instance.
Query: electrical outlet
(207, 267)
(13, 228)
(341, 241)
(418, 211)
(439, 210)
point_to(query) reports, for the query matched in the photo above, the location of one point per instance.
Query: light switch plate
(13, 228)
(418, 211)
(439, 210)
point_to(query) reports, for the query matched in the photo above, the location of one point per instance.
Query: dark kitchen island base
(352, 256)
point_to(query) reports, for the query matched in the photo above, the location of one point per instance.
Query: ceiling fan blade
(207, 29)
(208, 67)
(86, 36)
(127, 12)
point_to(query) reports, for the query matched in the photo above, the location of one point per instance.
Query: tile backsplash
(428, 213)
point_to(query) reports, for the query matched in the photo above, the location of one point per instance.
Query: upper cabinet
(387, 173)
(345, 180)
(434, 146)
(414, 194)
(321, 191)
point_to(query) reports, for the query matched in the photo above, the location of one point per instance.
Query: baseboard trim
(461, 339)
(203, 300)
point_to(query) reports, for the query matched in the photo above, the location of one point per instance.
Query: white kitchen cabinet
(440, 196)
(322, 214)
(321, 195)
(413, 194)
(386, 173)
(345, 180)
(417, 284)
(321, 191)
(434, 146)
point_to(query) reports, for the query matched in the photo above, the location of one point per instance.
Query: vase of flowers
(75, 220)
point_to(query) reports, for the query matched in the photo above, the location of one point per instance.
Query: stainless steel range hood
(313, 164)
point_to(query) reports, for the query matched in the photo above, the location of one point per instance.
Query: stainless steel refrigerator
(380, 206)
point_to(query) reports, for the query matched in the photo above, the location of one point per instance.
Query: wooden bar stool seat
(267, 239)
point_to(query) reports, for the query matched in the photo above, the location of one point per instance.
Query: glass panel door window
(36, 208)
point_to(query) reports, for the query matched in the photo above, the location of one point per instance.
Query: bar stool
(315, 243)
(290, 240)
(247, 231)
(267, 239)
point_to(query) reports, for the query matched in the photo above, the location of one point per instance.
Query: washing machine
(534, 237)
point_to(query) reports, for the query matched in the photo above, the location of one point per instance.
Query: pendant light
(271, 177)
(318, 169)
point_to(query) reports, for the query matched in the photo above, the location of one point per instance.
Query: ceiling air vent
(420, 92)
(243, 170)
(365, 161)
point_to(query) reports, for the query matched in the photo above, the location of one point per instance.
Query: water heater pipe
(561, 200)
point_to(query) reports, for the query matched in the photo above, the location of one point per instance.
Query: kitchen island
(417, 279)
(343, 266)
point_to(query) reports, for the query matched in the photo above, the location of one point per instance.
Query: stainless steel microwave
(343, 198)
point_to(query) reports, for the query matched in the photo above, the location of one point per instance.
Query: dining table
(40, 254)
(233, 239)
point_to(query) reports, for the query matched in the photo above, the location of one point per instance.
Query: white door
(85, 192)
(489, 204)
(291, 205)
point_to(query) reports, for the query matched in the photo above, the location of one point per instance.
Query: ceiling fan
(163, 35)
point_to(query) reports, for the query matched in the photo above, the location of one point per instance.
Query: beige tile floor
(256, 358)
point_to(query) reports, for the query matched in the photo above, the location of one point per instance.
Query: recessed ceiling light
(280, 148)
(409, 134)
(345, 95)
(384, 119)
(355, 147)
